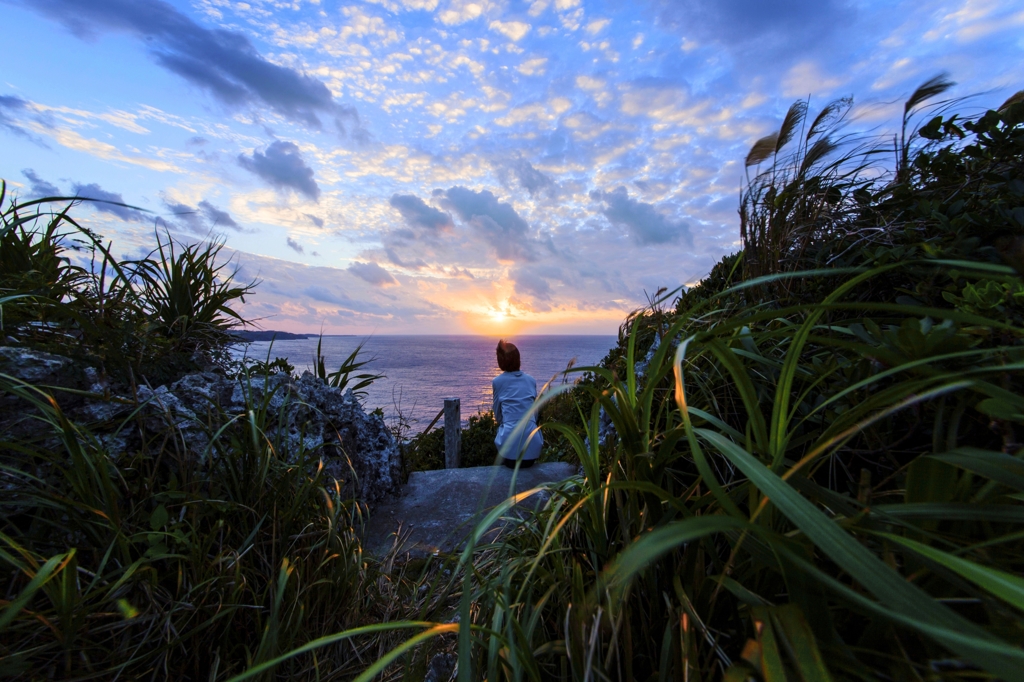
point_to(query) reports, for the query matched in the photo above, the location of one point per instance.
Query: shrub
(168, 313)
(425, 452)
(477, 446)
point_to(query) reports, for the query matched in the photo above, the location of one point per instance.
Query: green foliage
(62, 291)
(343, 379)
(425, 452)
(267, 367)
(818, 474)
(478, 448)
(564, 408)
(234, 556)
(186, 295)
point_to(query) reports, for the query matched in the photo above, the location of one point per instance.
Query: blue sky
(453, 166)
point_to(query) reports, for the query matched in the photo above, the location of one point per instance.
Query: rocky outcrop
(294, 414)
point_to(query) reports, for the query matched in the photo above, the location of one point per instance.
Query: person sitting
(514, 393)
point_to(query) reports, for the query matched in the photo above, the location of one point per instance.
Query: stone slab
(437, 509)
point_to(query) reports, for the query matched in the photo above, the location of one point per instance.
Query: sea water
(421, 371)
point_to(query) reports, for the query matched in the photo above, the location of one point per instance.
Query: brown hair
(508, 356)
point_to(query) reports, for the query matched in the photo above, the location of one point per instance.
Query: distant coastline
(247, 336)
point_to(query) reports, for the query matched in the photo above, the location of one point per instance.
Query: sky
(453, 166)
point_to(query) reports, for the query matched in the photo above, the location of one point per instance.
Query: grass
(815, 474)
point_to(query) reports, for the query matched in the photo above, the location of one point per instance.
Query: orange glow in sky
(508, 318)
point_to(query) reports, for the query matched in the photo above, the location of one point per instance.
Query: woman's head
(508, 356)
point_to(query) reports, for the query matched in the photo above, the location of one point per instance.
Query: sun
(495, 319)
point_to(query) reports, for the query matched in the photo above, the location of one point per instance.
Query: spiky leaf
(936, 85)
(794, 117)
(762, 149)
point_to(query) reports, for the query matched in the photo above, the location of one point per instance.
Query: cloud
(38, 187)
(202, 219)
(417, 264)
(10, 104)
(406, 5)
(461, 11)
(417, 213)
(13, 112)
(282, 166)
(217, 217)
(319, 222)
(221, 62)
(531, 282)
(318, 293)
(533, 67)
(372, 273)
(186, 217)
(513, 30)
(643, 221)
(372, 311)
(104, 205)
(529, 178)
(295, 246)
(496, 220)
(571, 20)
(807, 77)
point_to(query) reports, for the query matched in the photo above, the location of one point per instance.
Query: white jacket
(514, 393)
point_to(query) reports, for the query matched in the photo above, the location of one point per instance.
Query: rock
(441, 668)
(437, 509)
(295, 414)
(39, 368)
(606, 428)
(641, 366)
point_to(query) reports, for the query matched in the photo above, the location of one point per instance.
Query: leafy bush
(425, 452)
(343, 378)
(565, 408)
(61, 290)
(477, 448)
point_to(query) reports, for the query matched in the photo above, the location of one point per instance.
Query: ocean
(421, 371)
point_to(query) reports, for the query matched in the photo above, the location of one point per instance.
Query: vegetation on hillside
(818, 475)
(132, 558)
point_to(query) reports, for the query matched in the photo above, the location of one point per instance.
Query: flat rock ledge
(437, 509)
